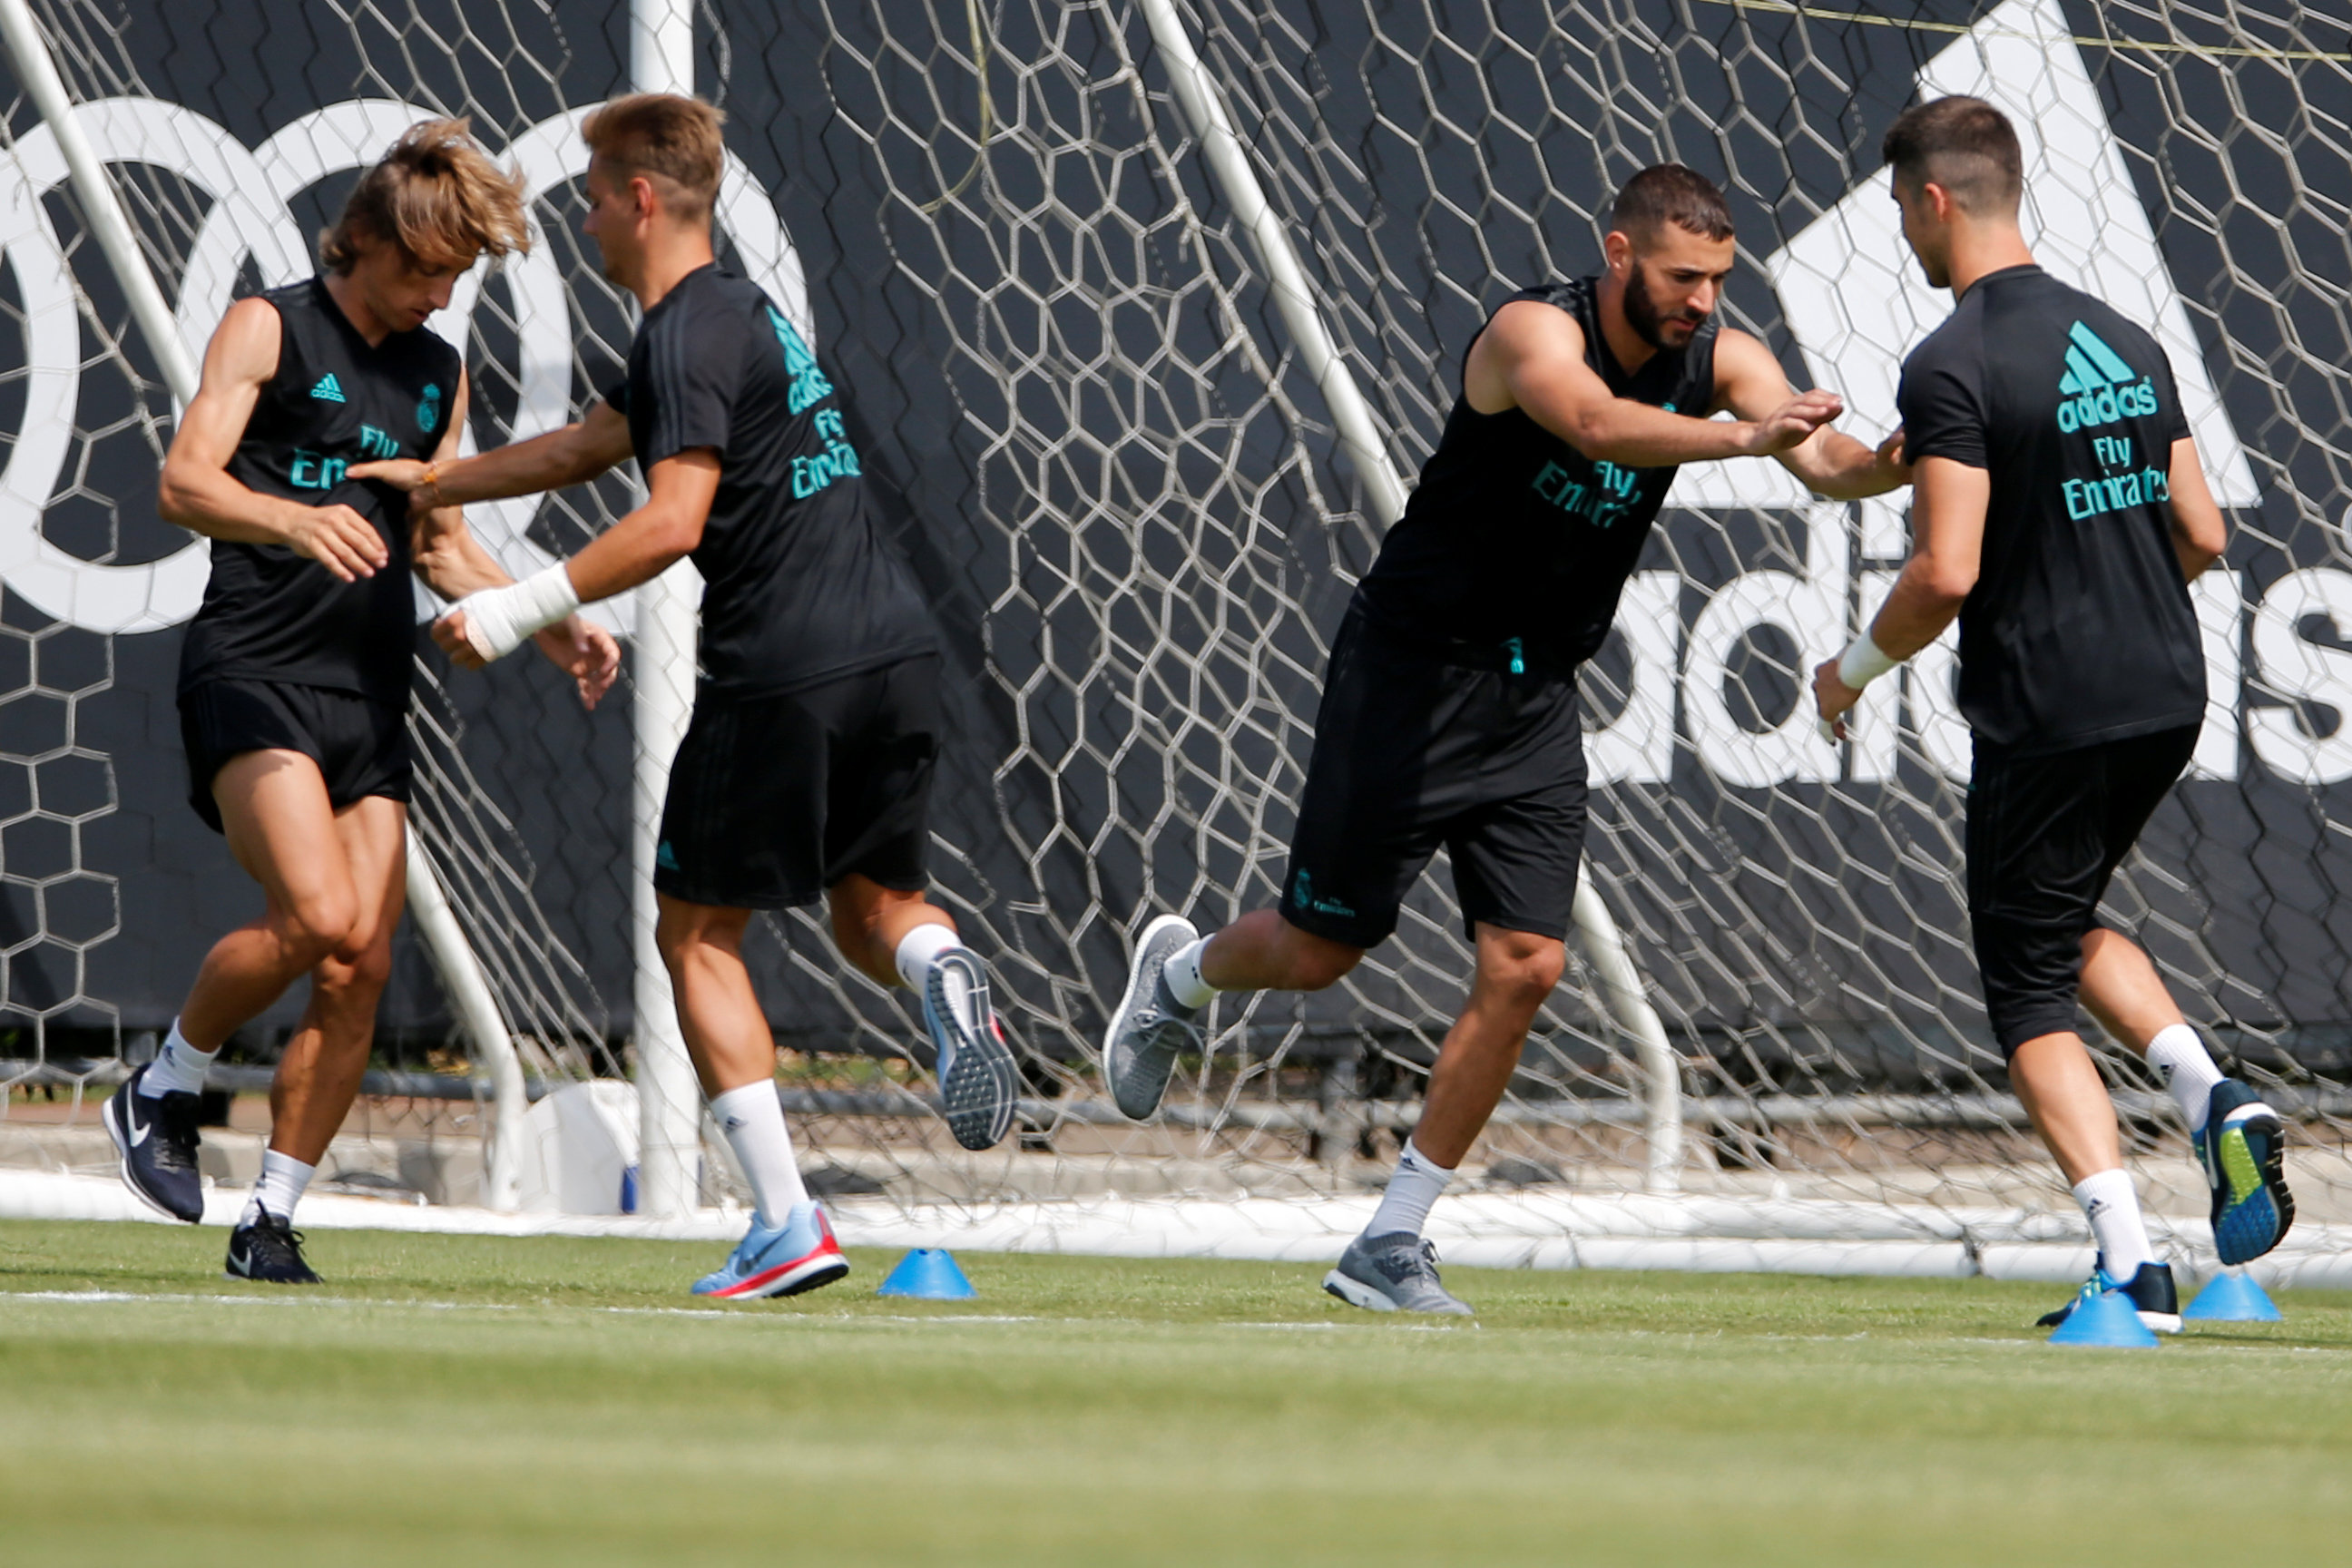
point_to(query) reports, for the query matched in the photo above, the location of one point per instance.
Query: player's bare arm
(598, 440)
(1947, 522)
(2200, 532)
(453, 563)
(636, 550)
(195, 490)
(1532, 358)
(1749, 383)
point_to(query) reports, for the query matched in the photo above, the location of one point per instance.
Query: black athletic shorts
(361, 745)
(1413, 750)
(774, 798)
(2043, 835)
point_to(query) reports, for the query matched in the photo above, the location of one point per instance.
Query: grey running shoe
(1151, 1029)
(979, 1084)
(1392, 1273)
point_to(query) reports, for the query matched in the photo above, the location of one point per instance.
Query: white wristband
(1862, 662)
(498, 620)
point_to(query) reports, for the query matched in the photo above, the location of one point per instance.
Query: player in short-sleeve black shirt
(2059, 509)
(800, 586)
(805, 772)
(2079, 629)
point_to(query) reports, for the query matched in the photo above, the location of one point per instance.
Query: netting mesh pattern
(1122, 490)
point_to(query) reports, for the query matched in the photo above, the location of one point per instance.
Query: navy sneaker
(2242, 1149)
(156, 1139)
(269, 1251)
(2150, 1290)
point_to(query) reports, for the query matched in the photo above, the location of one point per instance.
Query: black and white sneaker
(156, 1139)
(269, 1250)
(2150, 1290)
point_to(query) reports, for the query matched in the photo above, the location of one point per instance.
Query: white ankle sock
(918, 948)
(1182, 973)
(752, 1118)
(178, 1068)
(283, 1177)
(1411, 1192)
(2113, 1208)
(2182, 1066)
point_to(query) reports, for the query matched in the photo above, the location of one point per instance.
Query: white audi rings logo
(249, 219)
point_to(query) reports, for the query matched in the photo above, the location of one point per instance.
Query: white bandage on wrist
(1864, 661)
(498, 620)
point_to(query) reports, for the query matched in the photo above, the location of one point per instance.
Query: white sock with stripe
(1412, 1191)
(283, 1178)
(752, 1118)
(2180, 1063)
(178, 1068)
(2112, 1205)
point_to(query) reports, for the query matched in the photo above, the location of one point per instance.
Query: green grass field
(452, 1400)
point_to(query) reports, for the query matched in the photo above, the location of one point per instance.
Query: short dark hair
(667, 136)
(1965, 145)
(1671, 192)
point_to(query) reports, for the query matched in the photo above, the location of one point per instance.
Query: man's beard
(1642, 315)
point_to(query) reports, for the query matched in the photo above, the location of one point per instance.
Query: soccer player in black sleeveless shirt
(2060, 511)
(805, 772)
(1449, 711)
(294, 675)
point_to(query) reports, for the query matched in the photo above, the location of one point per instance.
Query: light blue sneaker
(799, 1255)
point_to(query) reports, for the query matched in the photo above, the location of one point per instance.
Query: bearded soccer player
(1449, 711)
(294, 676)
(806, 771)
(2058, 510)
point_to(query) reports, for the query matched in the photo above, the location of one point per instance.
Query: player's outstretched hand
(1834, 698)
(339, 539)
(584, 651)
(449, 631)
(1792, 422)
(406, 475)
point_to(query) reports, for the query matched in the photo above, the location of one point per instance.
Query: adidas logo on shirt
(329, 389)
(2099, 386)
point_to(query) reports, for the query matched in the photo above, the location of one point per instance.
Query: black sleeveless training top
(269, 613)
(1515, 546)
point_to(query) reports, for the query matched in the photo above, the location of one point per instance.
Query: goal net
(1124, 470)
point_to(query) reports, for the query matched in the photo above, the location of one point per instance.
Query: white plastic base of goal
(1487, 1230)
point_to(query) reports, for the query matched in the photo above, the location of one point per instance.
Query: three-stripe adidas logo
(329, 389)
(2100, 386)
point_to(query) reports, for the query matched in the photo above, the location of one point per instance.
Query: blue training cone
(927, 1274)
(2233, 1297)
(2107, 1319)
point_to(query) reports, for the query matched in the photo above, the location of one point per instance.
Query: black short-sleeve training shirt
(800, 585)
(2080, 628)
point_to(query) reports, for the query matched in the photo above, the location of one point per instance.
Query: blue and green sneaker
(2242, 1147)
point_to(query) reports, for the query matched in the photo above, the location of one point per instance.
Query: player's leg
(2036, 866)
(790, 1247)
(317, 1077)
(2239, 1141)
(273, 805)
(1516, 862)
(882, 732)
(1369, 819)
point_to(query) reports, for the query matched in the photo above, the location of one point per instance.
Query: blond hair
(664, 136)
(437, 196)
